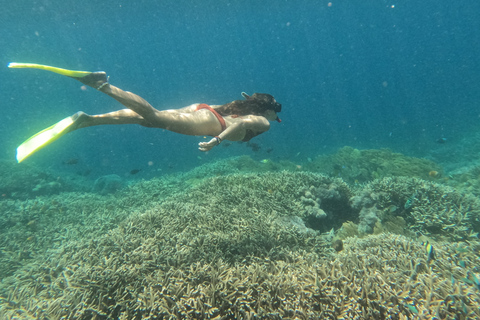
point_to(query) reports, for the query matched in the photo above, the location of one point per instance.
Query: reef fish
(434, 174)
(412, 308)
(135, 171)
(430, 252)
(410, 201)
(71, 161)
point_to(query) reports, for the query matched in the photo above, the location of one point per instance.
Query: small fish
(135, 171)
(441, 140)
(430, 252)
(254, 146)
(392, 208)
(71, 161)
(265, 161)
(434, 174)
(412, 309)
(462, 264)
(410, 201)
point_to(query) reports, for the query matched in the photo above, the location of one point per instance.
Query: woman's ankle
(96, 80)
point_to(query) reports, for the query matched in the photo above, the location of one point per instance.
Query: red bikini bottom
(219, 117)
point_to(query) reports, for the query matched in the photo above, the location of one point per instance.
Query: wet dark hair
(256, 104)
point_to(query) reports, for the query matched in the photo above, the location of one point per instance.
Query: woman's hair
(256, 104)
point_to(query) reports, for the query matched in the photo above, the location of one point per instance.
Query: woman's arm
(237, 131)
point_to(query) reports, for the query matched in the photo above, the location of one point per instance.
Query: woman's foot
(96, 80)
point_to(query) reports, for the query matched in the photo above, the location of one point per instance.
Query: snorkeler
(239, 120)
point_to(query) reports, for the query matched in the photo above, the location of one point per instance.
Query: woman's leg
(99, 81)
(133, 102)
(183, 121)
(74, 122)
(124, 116)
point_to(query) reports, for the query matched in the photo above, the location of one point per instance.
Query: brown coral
(228, 248)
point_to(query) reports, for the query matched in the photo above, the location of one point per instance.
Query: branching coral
(359, 166)
(238, 246)
(428, 208)
(23, 181)
(376, 277)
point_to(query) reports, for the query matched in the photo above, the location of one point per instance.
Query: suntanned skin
(186, 120)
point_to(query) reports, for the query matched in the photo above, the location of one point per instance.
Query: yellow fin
(43, 138)
(65, 72)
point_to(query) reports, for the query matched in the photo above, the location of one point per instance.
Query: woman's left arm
(237, 131)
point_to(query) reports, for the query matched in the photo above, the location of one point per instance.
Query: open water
(374, 74)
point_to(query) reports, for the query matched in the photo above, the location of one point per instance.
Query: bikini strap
(219, 117)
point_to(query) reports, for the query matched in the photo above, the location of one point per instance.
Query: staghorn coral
(426, 207)
(466, 179)
(359, 166)
(27, 231)
(191, 227)
(24, 181)
(234, 247)
(377, 277)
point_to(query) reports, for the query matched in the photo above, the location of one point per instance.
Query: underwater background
(369, 75)
(369, 184)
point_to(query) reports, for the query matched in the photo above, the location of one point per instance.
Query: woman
(239, 120)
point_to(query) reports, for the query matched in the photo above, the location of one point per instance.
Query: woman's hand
(206, 146)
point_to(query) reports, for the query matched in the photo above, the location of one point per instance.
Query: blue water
(368, 74)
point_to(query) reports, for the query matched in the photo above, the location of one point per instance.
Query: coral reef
(237, 225)
(428, 208)
(377, 277)
(359, 166)
(108, 184)
(326, 206)
(24, 181)
(368, 218)
(29, 229)
(240, 164)
(219, 243)
(466, 179)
